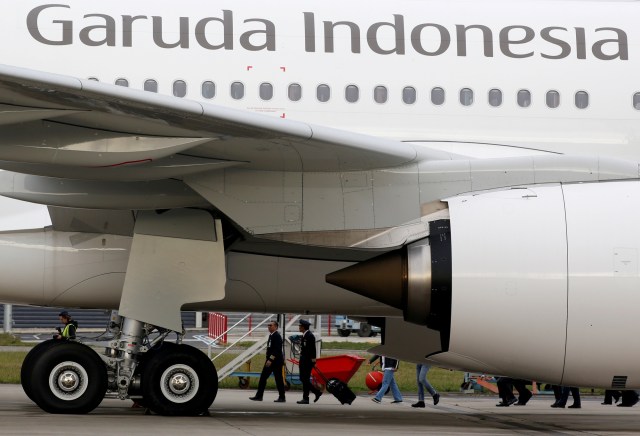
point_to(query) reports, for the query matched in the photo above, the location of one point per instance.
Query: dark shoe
(396, 401)
(575, 406)
(436, 399)
(418, 404)
(375, 400)
(524, 398)
(625, 405)
(256, 398)
(318, 395)
(609, 403)
(303, 401)
(558, 405)
(512, 401)
(280, 400)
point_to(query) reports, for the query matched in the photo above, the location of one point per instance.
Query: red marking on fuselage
(131, 162)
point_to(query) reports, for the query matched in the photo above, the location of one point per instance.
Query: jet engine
(538, 282)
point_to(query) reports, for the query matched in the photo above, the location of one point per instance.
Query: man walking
(273, 364)
(307, 362)
(389, 367)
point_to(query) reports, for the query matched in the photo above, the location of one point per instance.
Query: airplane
(464, 175)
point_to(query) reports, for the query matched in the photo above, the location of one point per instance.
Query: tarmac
(233, 414)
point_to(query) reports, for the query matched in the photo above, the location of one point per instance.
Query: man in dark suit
(273, 364)
(307, 362)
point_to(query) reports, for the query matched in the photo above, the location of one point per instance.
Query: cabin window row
(380, 94)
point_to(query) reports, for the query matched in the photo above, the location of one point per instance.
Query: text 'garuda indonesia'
(57, 24)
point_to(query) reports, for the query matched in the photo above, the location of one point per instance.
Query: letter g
(34, 30)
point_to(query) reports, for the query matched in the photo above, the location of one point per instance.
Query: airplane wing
(61, 126)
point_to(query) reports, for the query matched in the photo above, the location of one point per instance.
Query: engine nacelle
(544, 283)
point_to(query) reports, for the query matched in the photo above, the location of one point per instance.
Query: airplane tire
(27, 364)
(343, 333)
(181, 381)
(135, 392)
(365, 330)
(68, 378)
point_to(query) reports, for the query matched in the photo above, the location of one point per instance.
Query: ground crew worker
(307, 362)
(273, 364)
(69, 329)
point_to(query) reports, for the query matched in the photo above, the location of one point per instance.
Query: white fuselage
(380, 48)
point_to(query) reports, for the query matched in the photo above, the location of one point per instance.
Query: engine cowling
(544, 283)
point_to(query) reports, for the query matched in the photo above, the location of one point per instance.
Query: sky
(18, 215)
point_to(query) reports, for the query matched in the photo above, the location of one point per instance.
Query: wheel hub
(68, 380)
(179, 383)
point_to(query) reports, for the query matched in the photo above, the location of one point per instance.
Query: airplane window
(179, 88)
(122, 82)
(266, 91)
(437, 96)
(95, 79)
(237, 90)
(582, 100)
(409, 95)
(495, 97)
(151, 85)
(380, 94)
(553, 99)
(524, 98)
(636, 101)
(208, 89)
(466, 97)
(323, 93)
(352, 93)
(294, 92)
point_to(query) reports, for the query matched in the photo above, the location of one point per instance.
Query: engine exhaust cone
(383, 278)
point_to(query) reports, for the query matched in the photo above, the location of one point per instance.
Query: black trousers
(610, 395)
(575, 393)
(505, 388)
(506, 385)
(305, 378)
(276, 369)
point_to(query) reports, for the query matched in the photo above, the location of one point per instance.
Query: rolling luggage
(341, 391)
(338, 388)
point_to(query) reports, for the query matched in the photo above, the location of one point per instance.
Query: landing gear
(180, 381)
(168, 378)
(68, 378)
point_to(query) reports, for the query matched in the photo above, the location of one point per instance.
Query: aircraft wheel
(343, 333)
(27, 365)
(68, 378)
(179, 381)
